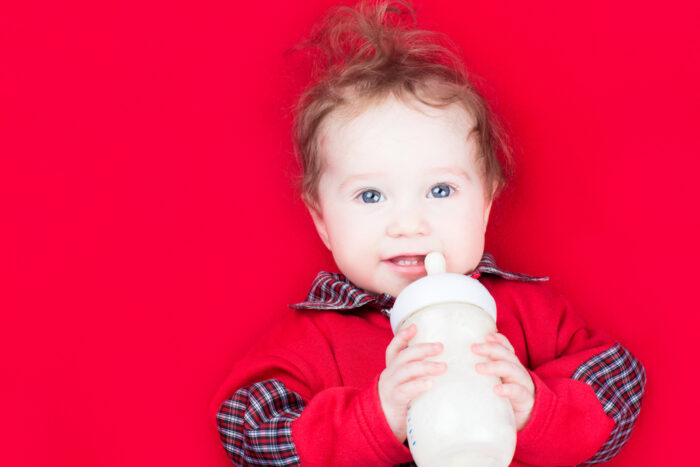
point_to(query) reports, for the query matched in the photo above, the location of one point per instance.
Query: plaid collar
(333, 291)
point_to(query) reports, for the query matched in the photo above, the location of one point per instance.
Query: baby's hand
(517, 384)
(404, 377)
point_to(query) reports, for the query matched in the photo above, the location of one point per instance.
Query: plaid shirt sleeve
(255, 424)
(618, 380)
(588, 387)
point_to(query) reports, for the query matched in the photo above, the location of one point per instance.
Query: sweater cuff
(377, 430)
(567, 424)
(542, 411)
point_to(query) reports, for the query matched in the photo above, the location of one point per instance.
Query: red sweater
(307, 393)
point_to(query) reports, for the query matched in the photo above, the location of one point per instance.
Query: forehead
(393, 132)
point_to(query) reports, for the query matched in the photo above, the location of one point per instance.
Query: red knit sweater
(307, 393)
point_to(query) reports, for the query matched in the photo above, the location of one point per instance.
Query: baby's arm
(588, 416)
(292, 407)
(587, 388)
(255, 424)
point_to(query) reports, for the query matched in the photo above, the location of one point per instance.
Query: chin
(397, 289)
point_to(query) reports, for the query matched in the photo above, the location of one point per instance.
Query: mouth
(407, 264)
(408, 260)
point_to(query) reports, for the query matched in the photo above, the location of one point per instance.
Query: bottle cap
(439, 287)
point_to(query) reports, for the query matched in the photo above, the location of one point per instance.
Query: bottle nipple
(435, 263)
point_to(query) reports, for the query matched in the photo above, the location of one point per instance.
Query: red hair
(373, 50)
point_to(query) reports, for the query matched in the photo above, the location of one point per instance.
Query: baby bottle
(459, 421)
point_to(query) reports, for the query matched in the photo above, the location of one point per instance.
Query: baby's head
(398, 150)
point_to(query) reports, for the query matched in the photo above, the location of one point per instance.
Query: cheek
(460, 221)
(462, 237)
(345, 232)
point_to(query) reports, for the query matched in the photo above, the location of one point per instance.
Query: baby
(399, 155)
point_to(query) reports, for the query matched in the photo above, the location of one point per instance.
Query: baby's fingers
(520, 397)
(408, 391)
(501, 339)
(495, 351)
(400, 342)
(509, 372)
(418, 369)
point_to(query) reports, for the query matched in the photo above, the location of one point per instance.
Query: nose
(407, 223)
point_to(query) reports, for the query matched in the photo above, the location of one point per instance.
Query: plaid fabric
(618, 380)
(488, 265)
(255, 424)
(333, 291)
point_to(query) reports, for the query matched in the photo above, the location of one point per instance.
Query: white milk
(460, 421)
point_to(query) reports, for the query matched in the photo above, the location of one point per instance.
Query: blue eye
(370, 196)
(441, 191)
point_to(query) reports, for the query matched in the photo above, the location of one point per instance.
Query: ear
(320, 224)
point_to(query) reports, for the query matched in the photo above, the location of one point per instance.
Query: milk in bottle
(460, 421)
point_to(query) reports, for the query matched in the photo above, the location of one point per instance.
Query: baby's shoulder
(524, 298)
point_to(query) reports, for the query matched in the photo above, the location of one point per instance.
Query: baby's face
(397, 184)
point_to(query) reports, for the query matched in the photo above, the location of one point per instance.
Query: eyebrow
(457, 171)
(352, 178)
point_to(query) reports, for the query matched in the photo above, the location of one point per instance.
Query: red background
(146, 190)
